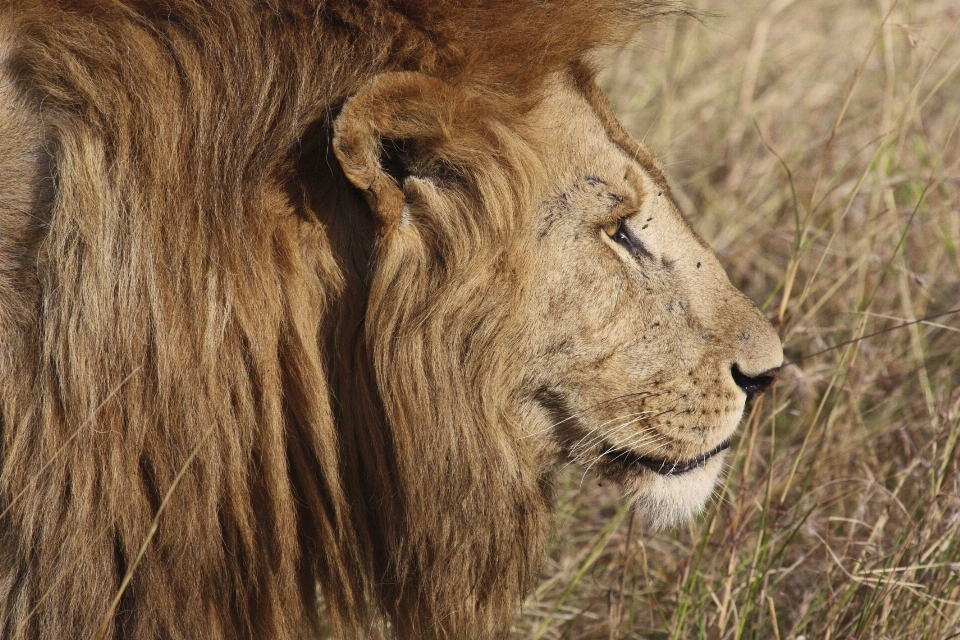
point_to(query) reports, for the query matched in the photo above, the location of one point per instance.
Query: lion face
(645, 354)
(591, 305)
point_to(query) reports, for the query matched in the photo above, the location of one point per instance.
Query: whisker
(656, 415)
(607, 435)
(578, 457)
(580, 414)
(600, 456)
(590, 432)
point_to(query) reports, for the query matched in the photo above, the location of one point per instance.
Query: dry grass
(815, 144)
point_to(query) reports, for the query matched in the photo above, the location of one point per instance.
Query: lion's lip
(630, 460)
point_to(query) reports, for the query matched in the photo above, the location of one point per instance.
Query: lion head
(537, 299)
(326, 294)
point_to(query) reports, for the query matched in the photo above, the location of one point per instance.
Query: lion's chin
(664, 501)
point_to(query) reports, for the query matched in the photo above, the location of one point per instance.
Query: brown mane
(206, 408)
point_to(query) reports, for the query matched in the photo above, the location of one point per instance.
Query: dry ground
(815, 144)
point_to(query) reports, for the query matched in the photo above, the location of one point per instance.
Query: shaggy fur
(237, 361)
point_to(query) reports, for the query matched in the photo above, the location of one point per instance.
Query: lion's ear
(382, 133)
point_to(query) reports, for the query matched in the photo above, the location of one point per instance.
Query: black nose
(754, 385)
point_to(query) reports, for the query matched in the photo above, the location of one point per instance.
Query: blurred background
(816, 145)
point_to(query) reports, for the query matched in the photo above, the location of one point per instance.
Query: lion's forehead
(584, 159)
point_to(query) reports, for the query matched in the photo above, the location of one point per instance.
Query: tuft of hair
(670, 500)
(185, 288)
(512, 44)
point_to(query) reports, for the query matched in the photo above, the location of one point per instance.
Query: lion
(303, 303)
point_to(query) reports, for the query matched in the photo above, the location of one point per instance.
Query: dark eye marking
(621, 234)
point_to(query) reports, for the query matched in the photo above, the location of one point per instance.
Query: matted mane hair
(217, 389)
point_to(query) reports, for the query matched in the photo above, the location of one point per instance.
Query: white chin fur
(664, 501)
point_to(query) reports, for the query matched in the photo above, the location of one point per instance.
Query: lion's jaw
(645, 353)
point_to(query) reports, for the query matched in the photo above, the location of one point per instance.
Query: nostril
(754, 385)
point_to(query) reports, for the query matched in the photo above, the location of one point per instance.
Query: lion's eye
(619, 233)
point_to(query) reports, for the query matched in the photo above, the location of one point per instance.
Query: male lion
(317, 292)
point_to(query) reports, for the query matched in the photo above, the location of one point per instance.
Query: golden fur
(299, 293)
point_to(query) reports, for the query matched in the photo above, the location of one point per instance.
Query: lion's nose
(754, 385)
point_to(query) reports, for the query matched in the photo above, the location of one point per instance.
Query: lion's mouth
(628, 460)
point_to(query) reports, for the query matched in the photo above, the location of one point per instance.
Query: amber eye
(613, 228)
